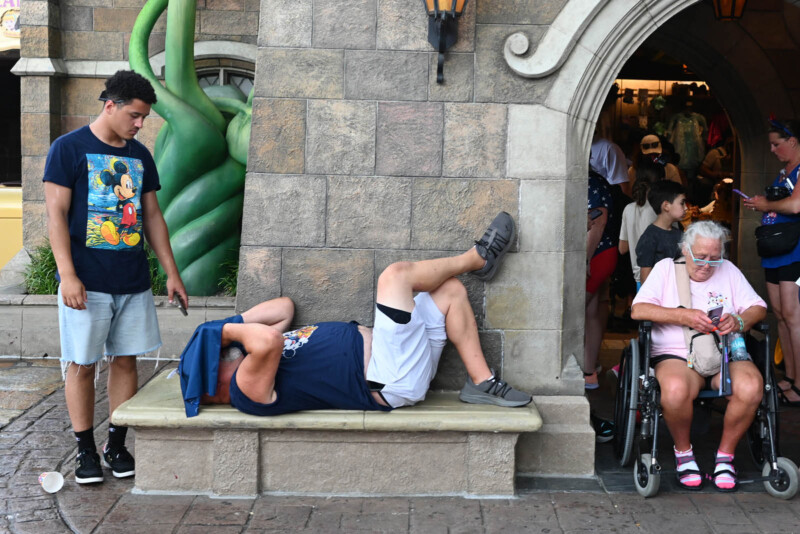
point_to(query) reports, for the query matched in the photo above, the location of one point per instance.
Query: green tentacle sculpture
(201, 156)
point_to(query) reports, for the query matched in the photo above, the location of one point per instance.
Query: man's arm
(155, 231)
(57, 201)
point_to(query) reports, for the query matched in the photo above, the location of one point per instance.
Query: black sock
(116, 436)
(85, 440)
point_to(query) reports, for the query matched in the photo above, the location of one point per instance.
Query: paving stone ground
(35, 436)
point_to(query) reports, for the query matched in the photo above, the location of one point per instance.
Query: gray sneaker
(494, 244)
(493, 391)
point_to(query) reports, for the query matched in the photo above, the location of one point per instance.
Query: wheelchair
(637, 413)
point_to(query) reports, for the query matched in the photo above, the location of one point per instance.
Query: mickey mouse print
(114, 202)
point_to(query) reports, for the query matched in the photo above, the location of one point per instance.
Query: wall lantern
(729, 9)
(443, 27)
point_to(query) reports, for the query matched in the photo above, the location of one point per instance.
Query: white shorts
(405, 356)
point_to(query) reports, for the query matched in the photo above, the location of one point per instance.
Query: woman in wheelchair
(714, 282)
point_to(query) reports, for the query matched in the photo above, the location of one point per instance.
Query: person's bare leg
(679, 387)
(277, 313)
(593, 337)
(790, 308)
(256, 373)
(747, 389)
(79, 393)
(774, 295)
(398, 282)
(451, 299)
(123, 381)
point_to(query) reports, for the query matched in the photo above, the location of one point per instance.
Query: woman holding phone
(782, 271)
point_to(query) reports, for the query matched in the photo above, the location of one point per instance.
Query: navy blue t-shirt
(321, 367)
(600, 197)
(105, 216)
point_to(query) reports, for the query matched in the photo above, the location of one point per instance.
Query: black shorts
(787, 273)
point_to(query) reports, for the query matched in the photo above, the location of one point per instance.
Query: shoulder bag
(703, 350)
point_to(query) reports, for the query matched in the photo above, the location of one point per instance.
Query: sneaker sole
(117, 474)
(482, 399)
(88, 480)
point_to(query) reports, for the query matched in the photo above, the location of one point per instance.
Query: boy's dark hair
(648, 172)
(663, 191)
(125, 85)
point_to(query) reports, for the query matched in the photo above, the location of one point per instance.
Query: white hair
(707, 229)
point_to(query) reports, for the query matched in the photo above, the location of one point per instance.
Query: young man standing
(100, 190)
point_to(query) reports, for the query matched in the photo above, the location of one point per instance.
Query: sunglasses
(700, 263)
(780, 126)
(104, 98)
(648, 146)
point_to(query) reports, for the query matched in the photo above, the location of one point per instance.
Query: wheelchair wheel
(626, 403)
(786, 486)
(646, 483)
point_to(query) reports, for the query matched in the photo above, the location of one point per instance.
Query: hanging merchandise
(659, 102)
(685, 131)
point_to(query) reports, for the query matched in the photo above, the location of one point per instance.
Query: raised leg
(451, 299)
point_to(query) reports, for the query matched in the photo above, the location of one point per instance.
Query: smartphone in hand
(179, 303)
(715, 314)
(741, 194)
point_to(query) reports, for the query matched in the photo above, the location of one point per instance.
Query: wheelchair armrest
(762, 327)
(645, 326)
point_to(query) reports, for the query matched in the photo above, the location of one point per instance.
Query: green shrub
(227, 283)
(40, 275)
(158, 278)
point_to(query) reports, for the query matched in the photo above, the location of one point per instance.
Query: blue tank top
(772, 217)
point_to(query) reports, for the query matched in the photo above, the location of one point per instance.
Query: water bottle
(738, 349)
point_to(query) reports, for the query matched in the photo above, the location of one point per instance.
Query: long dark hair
(648, 172)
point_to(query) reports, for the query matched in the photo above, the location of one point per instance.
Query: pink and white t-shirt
(727, 287)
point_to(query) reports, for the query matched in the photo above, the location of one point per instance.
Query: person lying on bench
(337, 365)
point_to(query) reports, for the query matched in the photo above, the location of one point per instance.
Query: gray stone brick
(225, 5)
(369, 212)
(542, 215)
(284, 210)
(475, 288)
(278, 134)
(532, 360)
(514, 302)
(40, 94)
(345, 24)
(451, 214)
(459, 78)
(380, 75)
(300, 73)
(259, 276)
(79, 96)
(494, 79)
(519, 11)
(285, 23)
(409, 140)
(39, 14)
(32, 173)
(341, 137)
(39, 41)
(38, 130)
(403, 25)
(34, 318)
(11, 330)
(97, 3)
(92, 45)
(76, 18)
(235, 454)
(228, 23)
(475, 140)
(329, 284)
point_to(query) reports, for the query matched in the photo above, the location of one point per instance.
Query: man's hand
(73, 293)
(697, 320)
(175, 288)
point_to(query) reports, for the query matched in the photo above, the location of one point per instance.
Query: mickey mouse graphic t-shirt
(105, 215)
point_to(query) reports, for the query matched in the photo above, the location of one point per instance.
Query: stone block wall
(358, 158)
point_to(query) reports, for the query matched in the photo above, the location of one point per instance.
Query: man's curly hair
(125, 85)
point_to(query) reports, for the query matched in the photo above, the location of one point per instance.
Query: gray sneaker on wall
(493, 391)
(494, 244)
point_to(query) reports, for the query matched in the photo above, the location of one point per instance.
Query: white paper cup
(51, 481)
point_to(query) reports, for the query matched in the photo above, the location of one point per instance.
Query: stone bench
(438, 447)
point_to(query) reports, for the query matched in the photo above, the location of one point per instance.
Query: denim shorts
(111, 325)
